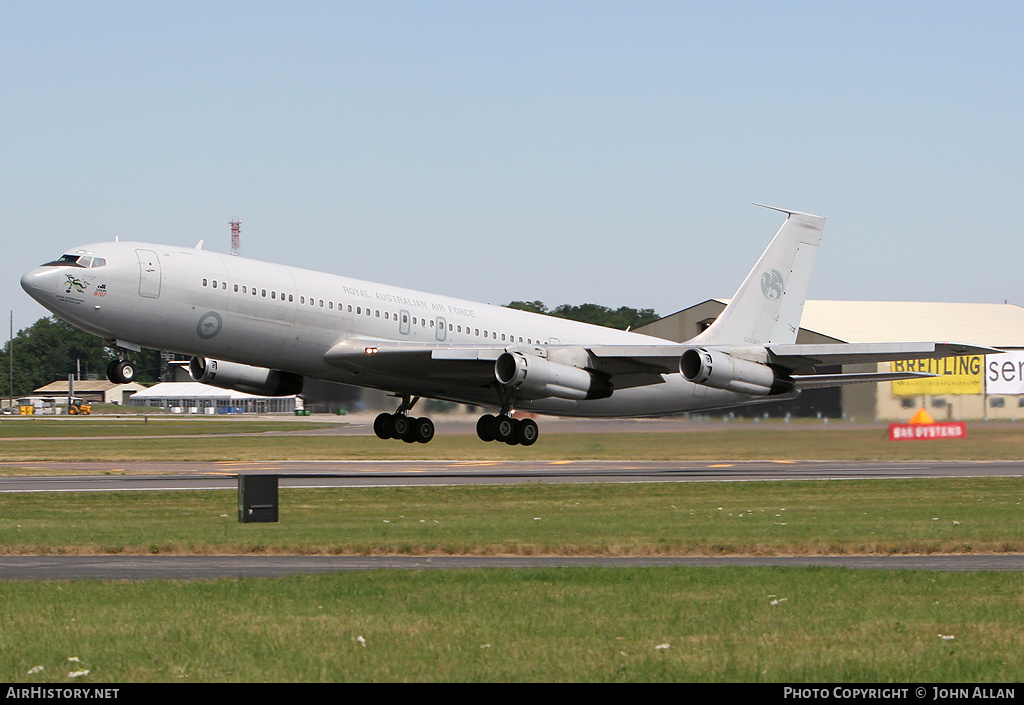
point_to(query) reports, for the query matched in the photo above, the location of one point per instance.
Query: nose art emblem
(76, 284)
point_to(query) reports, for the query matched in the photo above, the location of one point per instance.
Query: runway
(107, 477)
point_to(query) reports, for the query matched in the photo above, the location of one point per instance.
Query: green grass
(541, 625)
(980, 515)
(742, 442)
(117, 428)
(800, 625)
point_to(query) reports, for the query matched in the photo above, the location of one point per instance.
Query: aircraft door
(403, 322)
(441, 331)
(149, 274)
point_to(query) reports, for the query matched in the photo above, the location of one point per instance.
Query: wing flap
(835, 380)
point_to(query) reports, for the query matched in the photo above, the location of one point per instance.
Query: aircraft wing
(665, 359)
(625, 366)
(473, 364)
(470, 364)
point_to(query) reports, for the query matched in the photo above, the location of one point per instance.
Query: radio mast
(236, 230)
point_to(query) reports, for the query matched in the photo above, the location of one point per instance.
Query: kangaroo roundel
(771, 284)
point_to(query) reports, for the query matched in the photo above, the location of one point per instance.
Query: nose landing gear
(121, 371)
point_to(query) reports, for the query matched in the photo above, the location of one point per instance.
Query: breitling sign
(955, 375)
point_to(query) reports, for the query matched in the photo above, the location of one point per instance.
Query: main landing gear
(502, 427)
(400, 426)
(506, 429)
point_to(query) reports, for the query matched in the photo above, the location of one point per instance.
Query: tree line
(51, 349)
(622, 318)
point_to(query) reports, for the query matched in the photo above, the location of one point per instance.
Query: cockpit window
(77, 260)
(70, 261)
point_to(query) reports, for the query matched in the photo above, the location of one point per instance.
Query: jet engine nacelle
(536, 377)
(714, 368)
(244, 378)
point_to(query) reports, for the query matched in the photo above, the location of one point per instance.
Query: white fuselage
(208, 304)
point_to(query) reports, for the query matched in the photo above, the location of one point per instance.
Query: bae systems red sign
(926, 432)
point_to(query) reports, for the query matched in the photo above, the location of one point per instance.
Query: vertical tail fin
(770, 302)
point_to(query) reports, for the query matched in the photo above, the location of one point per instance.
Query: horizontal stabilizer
(799, 356)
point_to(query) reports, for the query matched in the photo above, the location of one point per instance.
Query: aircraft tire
(382, 426)
(504, 429)
(484, 428)
(400, 425)
(423, 430)
(527, 432)
(121, 371)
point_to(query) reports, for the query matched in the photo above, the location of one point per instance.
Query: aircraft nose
(35, 282)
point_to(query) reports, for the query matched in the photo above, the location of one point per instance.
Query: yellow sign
(956, 375)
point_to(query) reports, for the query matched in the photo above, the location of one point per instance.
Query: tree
(51, 349)
(621, 318)
(531, 306)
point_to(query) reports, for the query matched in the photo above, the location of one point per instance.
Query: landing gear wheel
(399, 425)
(422, 430)
(121, 371)
(383, 426)
(527, 432)
(504, 429)
(484, 428)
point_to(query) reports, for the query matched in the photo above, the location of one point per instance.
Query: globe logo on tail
(771, 284)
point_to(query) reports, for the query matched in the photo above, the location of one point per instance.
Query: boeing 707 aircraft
(260, 327)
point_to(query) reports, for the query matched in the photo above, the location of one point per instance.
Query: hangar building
(198, 398)
(968, 388)
(96, 391)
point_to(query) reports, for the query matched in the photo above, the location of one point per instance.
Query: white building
(196, 398)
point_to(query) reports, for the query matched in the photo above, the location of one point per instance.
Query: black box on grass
(257, 498)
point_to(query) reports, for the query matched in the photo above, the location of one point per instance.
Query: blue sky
(571, 152)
